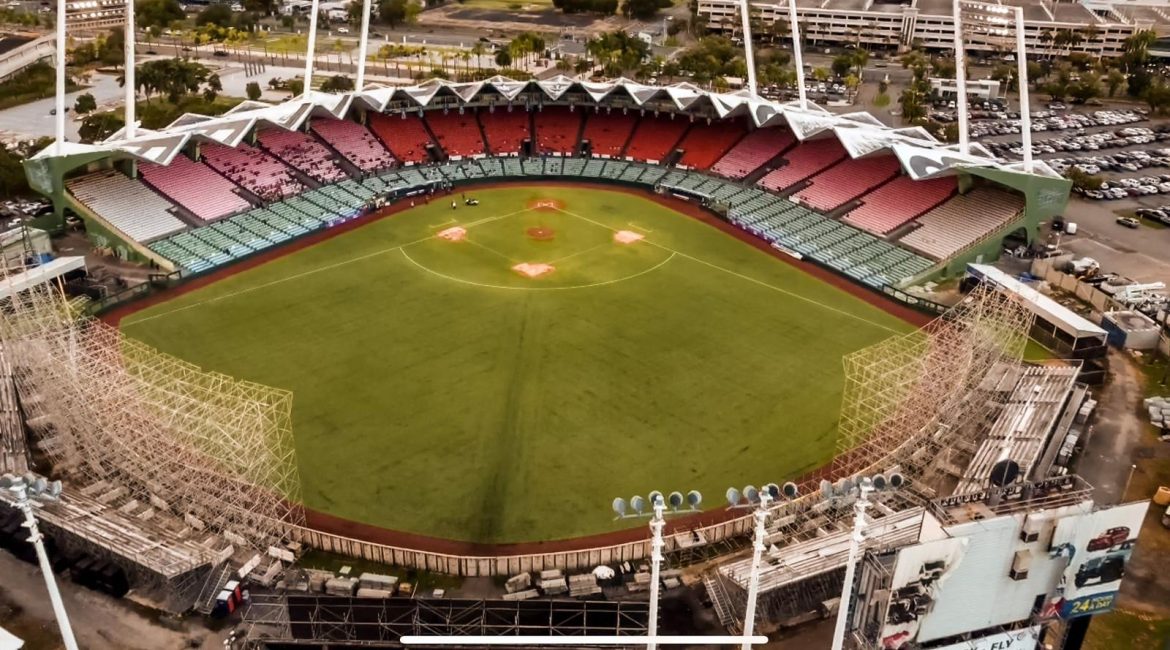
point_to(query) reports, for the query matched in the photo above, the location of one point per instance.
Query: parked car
(1119, 534)
(1128, 222)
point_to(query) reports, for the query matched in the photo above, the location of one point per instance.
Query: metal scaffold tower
(909, 397)
(125, 419)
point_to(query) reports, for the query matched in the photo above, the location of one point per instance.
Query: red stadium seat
(506, 130)
(846, 181)
(608, 132)
(656, 137)
(806, 159)
(457, 134)
(557, 129)
(706, 143)
(405, 137)
(899, 201)
(355, 142)
(754, 151)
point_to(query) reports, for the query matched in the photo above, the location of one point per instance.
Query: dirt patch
(531, 270)
(546, 205)
(541, 234)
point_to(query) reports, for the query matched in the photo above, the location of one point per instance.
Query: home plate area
(455, 233)
(627, 236)
(531, 270)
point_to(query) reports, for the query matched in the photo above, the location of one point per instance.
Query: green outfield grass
(438, 391)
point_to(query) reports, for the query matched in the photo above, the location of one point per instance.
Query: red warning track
(327, 523)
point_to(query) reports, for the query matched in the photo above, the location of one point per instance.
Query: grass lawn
(1123, 629)
(438, 391)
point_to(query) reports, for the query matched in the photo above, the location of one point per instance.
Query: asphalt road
(32, 120)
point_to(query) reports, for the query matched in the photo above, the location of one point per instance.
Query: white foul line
(742, 276)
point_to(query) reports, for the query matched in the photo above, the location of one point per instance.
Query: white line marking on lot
(745, 277)
(499, 286)
(302, 274)
(580, 252)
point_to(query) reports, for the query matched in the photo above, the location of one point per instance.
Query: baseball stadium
(460, 318)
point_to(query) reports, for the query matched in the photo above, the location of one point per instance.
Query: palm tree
(478, 50)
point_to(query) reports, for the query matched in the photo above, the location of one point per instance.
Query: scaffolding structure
(915, 403)
(147, 433)
(908, 398)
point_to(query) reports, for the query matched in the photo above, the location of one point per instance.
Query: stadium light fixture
(310, 49)
(24, 489)
(761, 501)
(859, 488)
(1005, 26)
(657, 513)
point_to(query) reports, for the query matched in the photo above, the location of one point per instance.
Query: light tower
(761, 501)
(25, 488)
(657, 513)
(859, 489)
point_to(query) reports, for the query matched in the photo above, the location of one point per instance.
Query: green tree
(157, 13)
(397, 12)
(85, 104)
(1157, 96)
(266, 7)
(252, 90)
(1081, 180)
(99, 126)
(337, 84)
(643, 9)
(295, 86)
(503, 58)
(841, 65)
(213, 88)
(219, 15)
(1114, 81)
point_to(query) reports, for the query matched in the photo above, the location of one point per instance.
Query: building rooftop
(1033, 10)
(846, 5)
(935, 7)
(1073, 13)
(1018, 497)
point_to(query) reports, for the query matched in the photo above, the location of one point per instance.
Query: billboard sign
(1097, 546)
(1015, 640)
(918, 577)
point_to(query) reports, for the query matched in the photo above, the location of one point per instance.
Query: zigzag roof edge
(807, 121)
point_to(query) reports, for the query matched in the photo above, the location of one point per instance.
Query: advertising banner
(1098, 546)
(1015, 640)
(918, 575)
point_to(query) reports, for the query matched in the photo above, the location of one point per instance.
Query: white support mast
(748, 53)
(797, 57)
(61, 56)
(128, 65)
(1025, 101)
(961, 77)
(312, 47)
(363, 45)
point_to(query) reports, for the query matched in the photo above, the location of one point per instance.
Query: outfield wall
(509, 565)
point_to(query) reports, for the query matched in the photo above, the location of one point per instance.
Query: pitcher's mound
(533, 270)
(541, 234)
(456, 233)
(548, 205)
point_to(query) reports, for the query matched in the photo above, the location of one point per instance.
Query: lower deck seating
(754, 151)
(196, 187)
(963, 221)
(260, 173)
(846, 181)
(355, 142)
(655, 138)
(127, 205)
(506, 130)
(608, 132)
(706, 143)
(899, 201)
(556, 129)
(405, 135)
(458, 134)
(806, 159)
(302, 152)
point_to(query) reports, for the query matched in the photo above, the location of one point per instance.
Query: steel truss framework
(910, 396)
(341, 619)
(910, 403)
(146, 431)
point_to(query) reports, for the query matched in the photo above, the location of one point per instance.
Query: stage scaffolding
(340, 621)
(186, 453)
